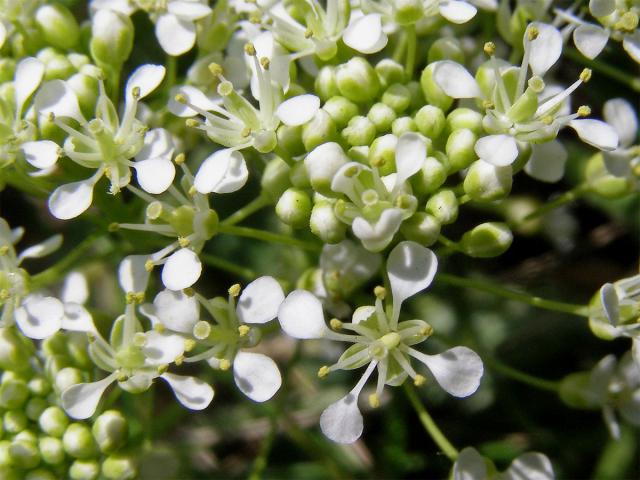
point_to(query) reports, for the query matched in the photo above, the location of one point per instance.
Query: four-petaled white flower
(470, 465)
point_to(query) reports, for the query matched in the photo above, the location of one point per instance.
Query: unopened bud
(360, 131)
(53, 421)
(322, 163)
(78, 441)
(443, 206)
(487, 240)
(58, 26)
(110, 431)
(119, 466)
(111, 37)
(84, 470)
(325, 224)
(357, 80)
(51, 450)
(487, 182)
(294, 208)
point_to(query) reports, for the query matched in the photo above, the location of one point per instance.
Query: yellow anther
(585, 75)
(488, 105)
(189, 292)
(51, 117)
(547, 119)
(91, 337)
(419, 380)
(180, 98)
(192, 190)
(225, 88)
(138, 297)
(148, 265)
(139, 339)
(4, 294)
(192, 123)
(265, 63)
(122, 377)
(113, 227)
(201, 330)
(628, 22)
(159, 327)
(215, 69)
(234, 290)
(246, 131)
(378, 162)
(380, 292)
(308, 33)
(189, 344)
(352, 171)
(374, 401)
(249, 49)
(183, 242)
(532, 33)
(584, 111)
(179, 359)
(180, 159)
(426, 331)
(403, 202)
(243, 330)
(130, 298)
(3, 250)
(162, 369)
(489, 48)
(335, 324)
(255, 18)
(135, 91)
(225, 364)
(323, 372)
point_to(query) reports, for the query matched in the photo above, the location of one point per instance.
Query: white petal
(224, 171)
(498, 150)
(455, 80)
(298, 110)
(530, 466)
(146, 78)
(469, 466)
(174, 35)
(260, 301)
(610, 420)
(545, 49)
(81, 400)
(547, 161)
(188, 10)
(29, 73)
(182, 269)
(610, 303)
(191, 392)
(631, 44)
(70, 200)
(132, 274)
(42, 249)
(76, 318)
(602, 8)
(300, 315)
(157, 143)
(256, 375)
(457, 11)
(596, 133)
(58, 98)
(342, 181)
(411, 268)
(39, 317)
(457, 370)
(360, 314)
(162, 348)
(342, 421)
(411, 153)
(375, 237)
(194, 96)
(75, 288)
(155, 175)
(177, 311)
(41, 154)
(622, 117)
(590, 40)
(365, 34)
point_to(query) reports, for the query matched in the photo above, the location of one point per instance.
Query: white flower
(381, 342)
(470, 465)
(623, 161)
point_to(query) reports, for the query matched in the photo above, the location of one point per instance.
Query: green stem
(522, 377)
(260, 463)
(249, 209)
(429, 425)
(411, 50)
(485, 286)
(610, 71)
(559, 201)
(228, 266)
(267, 236)
(172, 68)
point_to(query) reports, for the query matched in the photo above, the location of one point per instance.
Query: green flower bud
(574, 391)
(602, 183)
(77, 346)
(51, 450)
(110, 431)
(294, 208)
(39, 386)
(389, 72)
(58, 26)
(431, 175)
(382, 154)
(13, 393)
(15, 350)
(322, 164)
(24, 454)
(417, 98)
(5, 457)
(408, 12)
(34, 408)
(398, 97)
(432, 92)
(26, 436)
(382, 116)
(78, 441)
(341, 110)
(40, 474)
(357, 80)
(290, 139)
(111, 38)
(465, 118)
(298, 176)
(403, 125)
(359, 153)
(275, 179)
(325, 85)
(319, 130)
(430, 121)
(53, 421)
(360, 131)
(486, 182)
(324, 223)
(119, 467)
(86, 89)
(7, 69)
(14, 421)
(446, 48)
(487, 240)
(84, 470)
(422, 228)
(460, 149)
(66, 377)
(443, 206)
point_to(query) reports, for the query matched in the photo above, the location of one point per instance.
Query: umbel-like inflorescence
(242, 193)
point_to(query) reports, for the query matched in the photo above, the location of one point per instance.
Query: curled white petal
(498, 150)
(39, 317)
(532, 466)
(70, 200)
(146, 78)
(469, 465)
(58, 98)
(411, 152)
(162, 348)
(455, 80)
(590, 40)
(457, 11)
(182, 269)
(41, 153)
(547, 161)
(342, 421)
(596, 133)
(75, 288)
(300, 315)
(622, 117)
(132, 274)
(191, 392)
(188, 10)
(298, 110)
(176, 36)
(545, 49)
(375, 237)
(365, 34)
(610, 303)
(42, 249)
(176, 310)
(224, 171)
(458, 370)
(81, 400)
(260, 301)
(256, 375)
(29, 74)
(155, 175)
(76, 318)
